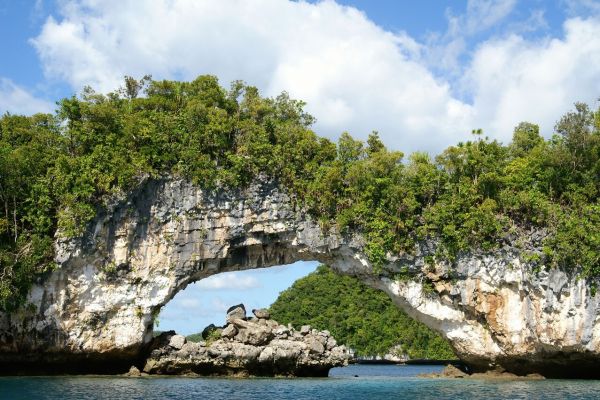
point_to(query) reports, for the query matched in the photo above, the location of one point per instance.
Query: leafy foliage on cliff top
(358, 316)
(57, 170)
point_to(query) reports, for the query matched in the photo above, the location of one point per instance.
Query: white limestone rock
(177, 341)
(493, 308)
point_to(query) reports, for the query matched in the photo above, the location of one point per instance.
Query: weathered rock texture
(100, 304)
(248, 347)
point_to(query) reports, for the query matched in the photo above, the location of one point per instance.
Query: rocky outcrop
(97, 308)
(248, 347)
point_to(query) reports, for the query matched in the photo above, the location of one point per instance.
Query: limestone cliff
(97, 308)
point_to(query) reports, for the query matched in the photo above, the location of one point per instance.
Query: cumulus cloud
(354, 75)
(514, 79)
(190, 306)
(229, 280)
(17, 100)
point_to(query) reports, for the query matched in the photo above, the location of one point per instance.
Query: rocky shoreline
(255, 346)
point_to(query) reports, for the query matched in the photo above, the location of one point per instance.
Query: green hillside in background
(358, 316)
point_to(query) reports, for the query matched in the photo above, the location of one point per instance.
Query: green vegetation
(362, 318)
(195, 337)
(57, 170)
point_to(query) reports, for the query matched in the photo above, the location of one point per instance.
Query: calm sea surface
(373, 382)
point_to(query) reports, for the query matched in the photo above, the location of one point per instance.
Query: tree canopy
(57, 170)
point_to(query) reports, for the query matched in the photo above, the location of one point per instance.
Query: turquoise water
(373, 382)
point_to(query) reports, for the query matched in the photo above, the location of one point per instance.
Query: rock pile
(255, 346)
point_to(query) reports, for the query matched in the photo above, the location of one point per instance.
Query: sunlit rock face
(98, 307)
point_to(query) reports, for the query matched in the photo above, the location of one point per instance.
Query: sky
(421, 73)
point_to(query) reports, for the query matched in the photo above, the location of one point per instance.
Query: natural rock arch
(98, 307)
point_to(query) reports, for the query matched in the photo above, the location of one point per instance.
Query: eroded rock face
(100, 304)
(248, 347)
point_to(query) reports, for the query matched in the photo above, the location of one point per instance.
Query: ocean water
(372, 382)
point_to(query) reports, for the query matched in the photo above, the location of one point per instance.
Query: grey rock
(262, 313)
(177, 341)
(331, 343)
(229, 331)
(315, 346)
(272, 324)
(237, 311)
(190, 348)
(256, 335)
(305, 329)
(281, 330)
(321, 338)
(267, 355)
(134, 371)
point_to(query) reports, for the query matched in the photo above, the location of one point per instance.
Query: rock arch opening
(206, 301)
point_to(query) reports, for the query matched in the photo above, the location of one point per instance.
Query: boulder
(331, 343)
(177, 341)
(134, 371)
(305, 329)
(191, 348)
(322, 339)
(229, 331)
(254, 335)
(262, 313)
(237, 311)
(271, 323)
(315, 346)
(281, 331)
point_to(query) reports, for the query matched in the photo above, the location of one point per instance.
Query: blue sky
(422, 73)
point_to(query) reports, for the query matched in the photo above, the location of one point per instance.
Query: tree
(526, 137)
(374, 144)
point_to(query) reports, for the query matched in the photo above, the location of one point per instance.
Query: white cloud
(17, 100)
(515, 80)
(443, 52)
(190, 303)
(190, 306)
(221, 306)
(354, 75)
(229, 280)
